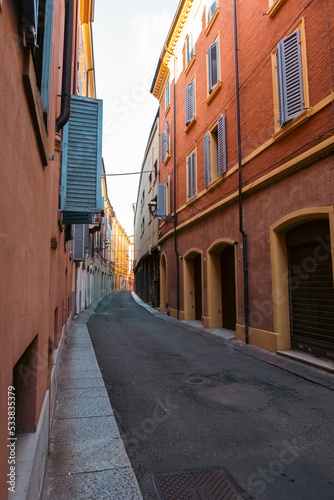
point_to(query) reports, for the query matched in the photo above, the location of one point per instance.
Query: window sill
(216, 181)
(212, 20)
(35, 105)
(190, 124)
(167, 159)
(296, 122)
(274, 8)
(191, 62)
(191, 201)
(214, 92)
(167, 109)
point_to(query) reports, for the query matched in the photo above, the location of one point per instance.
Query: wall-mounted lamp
(152, 206)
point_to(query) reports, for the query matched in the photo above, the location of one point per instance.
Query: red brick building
(251, 84)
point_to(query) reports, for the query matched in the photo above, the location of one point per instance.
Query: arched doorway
(222, 300)
(302, 275)
(193, 297)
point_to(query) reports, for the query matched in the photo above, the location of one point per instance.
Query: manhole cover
(198, 484)
(196, 380)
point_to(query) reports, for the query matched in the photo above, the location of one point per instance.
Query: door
(311, 292)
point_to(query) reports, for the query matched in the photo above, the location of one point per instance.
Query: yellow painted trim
(260, 338)
(280, 132)
(279, 265)
(212, 20)
(189, 282)
(215, 316)
(178, 27)
(167, 109)
(190, 124)
(300, 161)
(273, 7)
(191, 62)
(213, 92)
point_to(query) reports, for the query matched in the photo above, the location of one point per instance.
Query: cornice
(171, 43)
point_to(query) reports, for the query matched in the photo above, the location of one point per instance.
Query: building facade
(37, 152)
(146, 248)
(246, 101)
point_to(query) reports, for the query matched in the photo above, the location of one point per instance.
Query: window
(155, 168)
(167, 94)
(190, 102)
(37, 28)
(211, 9)
(213, 65)
(189, 48)
(191, 167)
(289, 78)
(165, 144)
(215, 152)
(274, 5)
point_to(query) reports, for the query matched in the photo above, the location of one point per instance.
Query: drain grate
(197, 380)
(198, 484)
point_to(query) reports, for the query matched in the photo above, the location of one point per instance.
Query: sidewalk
(311, 373)
(87, 458)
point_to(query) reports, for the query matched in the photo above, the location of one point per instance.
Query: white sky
(128, 39)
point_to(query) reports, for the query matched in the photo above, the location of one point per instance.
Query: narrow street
(183, 401)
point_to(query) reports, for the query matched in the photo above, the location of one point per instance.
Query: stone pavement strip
(87, 458)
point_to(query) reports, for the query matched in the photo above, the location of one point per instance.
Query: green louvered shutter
(222, 165)
(289, 78)
(82, 158)
(206, 159)
(47, 54)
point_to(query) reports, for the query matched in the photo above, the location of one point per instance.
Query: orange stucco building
(37, 287)
(246, 194)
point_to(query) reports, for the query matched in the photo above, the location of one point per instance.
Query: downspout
(241, 226)
(67, 66)
(177, 257)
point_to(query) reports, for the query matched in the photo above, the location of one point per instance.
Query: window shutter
(47, 54)
(191, 175)
(161, 201)
(190, 48)
(213, 66)
(79, 233)
(167, 138)
(213, 8)
(222, 164)
(168, 193)
(163, 146)
(82, 158)
(190, 102)
(290, 78)
(206, 159)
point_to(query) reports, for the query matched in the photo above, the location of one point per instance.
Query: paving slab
(116, 484)
(87, 457)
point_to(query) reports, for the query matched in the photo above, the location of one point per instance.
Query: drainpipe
(67, 66)
(241, 226)
(177, 257)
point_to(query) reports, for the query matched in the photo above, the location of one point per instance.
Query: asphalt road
(183, 401)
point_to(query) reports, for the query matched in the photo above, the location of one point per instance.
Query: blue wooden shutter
(191, 175)
(213, 65)
(161, 201)
(167, 94)
(47, 54)
(222, 164)
(188, 49)
(207, 159)
(82, 157)
(212, 9)
(190, 102)
(290, 78)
